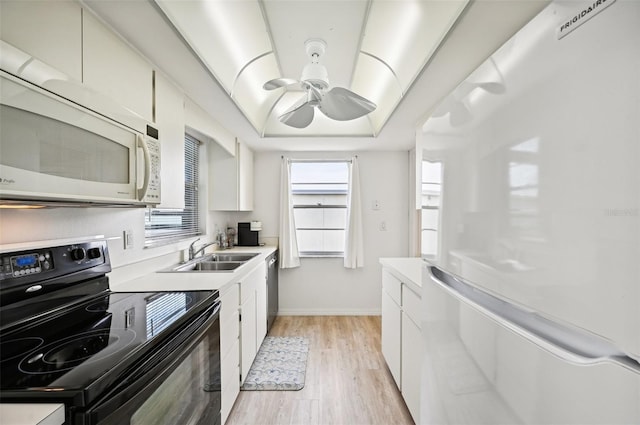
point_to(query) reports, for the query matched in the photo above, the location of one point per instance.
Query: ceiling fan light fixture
(316, 75)
(339, 103)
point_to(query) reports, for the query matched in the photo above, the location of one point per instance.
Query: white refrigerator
(531, 228)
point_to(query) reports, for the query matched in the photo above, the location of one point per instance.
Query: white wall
(323, 285)
(20, 226)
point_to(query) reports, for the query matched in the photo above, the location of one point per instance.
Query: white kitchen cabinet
(231, 178)
(114, 69)
(401, 338)
(253, 326)
(230, 376)
(248, 347)
(391, 326)
(208, 130)
(50, 31)
(248, 322)
(411, 357)
(229, 348)
(261, 307)
(169, 107)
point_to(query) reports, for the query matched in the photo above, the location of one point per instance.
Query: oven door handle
(115, 406)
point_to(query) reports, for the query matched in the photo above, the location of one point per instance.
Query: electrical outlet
(375, 205)
(127, 236)
(383, 226)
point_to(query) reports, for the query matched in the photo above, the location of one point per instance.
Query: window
(163, 225)
(431, 194)
(319, 192)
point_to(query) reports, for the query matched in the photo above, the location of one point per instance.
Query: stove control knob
(78, 254)
(93, 253)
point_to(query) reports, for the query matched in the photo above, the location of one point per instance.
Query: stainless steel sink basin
(217, 265)
(215, 262)
(211, 266)
(232, 257)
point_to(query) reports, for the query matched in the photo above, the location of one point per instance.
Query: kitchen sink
(227, 262)
(231, 257)
(207, 266)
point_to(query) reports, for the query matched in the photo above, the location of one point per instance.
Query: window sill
(314, 255)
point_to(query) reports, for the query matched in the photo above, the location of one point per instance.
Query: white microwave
(53, 150)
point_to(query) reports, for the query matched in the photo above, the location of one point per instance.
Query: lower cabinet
(411, 365)
(240, 337)
(402, 339)
(261, 307)
(248, 348)
(229, 348)
(251, 333)
(391, 317)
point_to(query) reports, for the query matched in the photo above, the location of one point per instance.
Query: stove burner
(18, 347)
(68, 353)
(99, 306)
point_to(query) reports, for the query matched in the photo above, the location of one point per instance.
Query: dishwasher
(272, 289)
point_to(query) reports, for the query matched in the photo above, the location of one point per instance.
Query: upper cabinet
(230, 178)
(48, 30)
(113, 68)
(169, 109)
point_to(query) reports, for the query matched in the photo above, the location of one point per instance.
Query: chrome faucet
(193, 252)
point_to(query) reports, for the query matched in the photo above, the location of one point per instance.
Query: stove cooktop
(82, 347)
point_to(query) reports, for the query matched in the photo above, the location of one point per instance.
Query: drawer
(230, 376)
(411, 304)
(391, 285)
(229, 334)
(230, 302)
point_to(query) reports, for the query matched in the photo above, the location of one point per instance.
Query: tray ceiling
(375, 48)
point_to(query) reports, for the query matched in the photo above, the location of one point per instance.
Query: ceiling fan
(337, 103)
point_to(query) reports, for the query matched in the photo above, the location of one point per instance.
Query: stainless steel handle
(569, 343)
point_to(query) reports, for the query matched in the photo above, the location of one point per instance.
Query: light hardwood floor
(347, 381)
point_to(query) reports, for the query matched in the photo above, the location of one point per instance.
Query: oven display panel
(26, 264)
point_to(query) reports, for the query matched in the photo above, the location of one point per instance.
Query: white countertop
(31, 414)
(407, 269)
(194, 281)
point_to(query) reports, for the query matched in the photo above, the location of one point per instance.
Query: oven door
(180, 386)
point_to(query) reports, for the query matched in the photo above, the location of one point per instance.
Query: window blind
(164, 225)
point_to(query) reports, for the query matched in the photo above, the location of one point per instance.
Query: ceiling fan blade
(344, 105)
(299, 116)
(279, 82)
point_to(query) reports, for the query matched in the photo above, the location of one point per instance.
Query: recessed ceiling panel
(256, 103)
(376, 82)
(338, 22)
(226, 35)
(404, 34)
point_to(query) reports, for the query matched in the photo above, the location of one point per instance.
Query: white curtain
(288, 244)
(354, 244)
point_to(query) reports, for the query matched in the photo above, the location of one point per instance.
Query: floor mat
(280, 365)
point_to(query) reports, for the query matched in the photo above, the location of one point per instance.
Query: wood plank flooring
(347, 380)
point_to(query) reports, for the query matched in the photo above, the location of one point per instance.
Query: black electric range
(64, 337)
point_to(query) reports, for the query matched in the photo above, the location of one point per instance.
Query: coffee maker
(248, 233)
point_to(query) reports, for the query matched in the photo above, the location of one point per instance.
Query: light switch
(127, 236)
